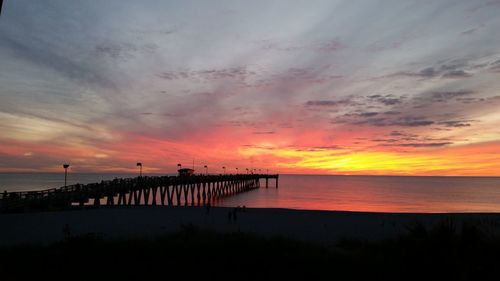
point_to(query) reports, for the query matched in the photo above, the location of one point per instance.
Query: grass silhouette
(445, 251)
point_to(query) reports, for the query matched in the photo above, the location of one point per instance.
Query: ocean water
(312, 192)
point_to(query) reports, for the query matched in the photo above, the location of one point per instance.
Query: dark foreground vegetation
(441, 253)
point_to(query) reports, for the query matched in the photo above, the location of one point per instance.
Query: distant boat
(185, 172)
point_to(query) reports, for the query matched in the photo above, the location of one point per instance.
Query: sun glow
(467, 160)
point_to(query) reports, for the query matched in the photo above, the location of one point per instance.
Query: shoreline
(316, 226)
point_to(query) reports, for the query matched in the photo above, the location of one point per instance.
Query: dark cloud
(264, 133)
(456, 74)
(411, 121)
(385, 140)
(368, 114)
(452, 69)
(171, 75)
(293, 76)
(407, 121)
(431, 144)
(427, 72)
(392, 112)
(390, 101)
(386, 100)
(403, 135)
(456, 123)
(396, 134)
(325, 102)
(467, 100)
(362, 114)
(248, 78)
(469, 31)
(455, 64)
(403, 139)
(447, 95)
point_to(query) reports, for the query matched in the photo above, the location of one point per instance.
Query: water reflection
(377, 194)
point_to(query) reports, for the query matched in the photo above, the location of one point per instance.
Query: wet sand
(323, 227)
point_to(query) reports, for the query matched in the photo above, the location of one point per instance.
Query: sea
(326, 192)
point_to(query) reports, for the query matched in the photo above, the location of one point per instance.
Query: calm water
(353, 193)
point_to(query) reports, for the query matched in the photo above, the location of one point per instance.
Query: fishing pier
(195, 190)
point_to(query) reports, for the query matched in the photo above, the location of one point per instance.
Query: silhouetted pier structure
(197, 190)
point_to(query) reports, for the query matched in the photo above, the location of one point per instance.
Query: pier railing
(195, 190)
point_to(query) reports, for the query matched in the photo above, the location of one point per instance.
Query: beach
(319, 227)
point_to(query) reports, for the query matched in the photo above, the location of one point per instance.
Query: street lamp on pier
(224, 168)
(139, 164)
(206, 169)
(65, 166)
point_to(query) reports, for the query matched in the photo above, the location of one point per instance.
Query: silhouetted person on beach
(5, 194)
(235, 210)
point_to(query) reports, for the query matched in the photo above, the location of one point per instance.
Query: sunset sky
(322, 87)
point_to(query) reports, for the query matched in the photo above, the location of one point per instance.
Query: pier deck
(196, 190)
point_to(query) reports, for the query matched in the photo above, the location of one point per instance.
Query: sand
(323, 227)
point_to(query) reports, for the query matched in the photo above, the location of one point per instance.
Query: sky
(311, 87)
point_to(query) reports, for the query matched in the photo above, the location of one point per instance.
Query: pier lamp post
(224, 168)
(236, 170)
(247, 170)
(139, 164)
(65, 166)
(206, 169)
